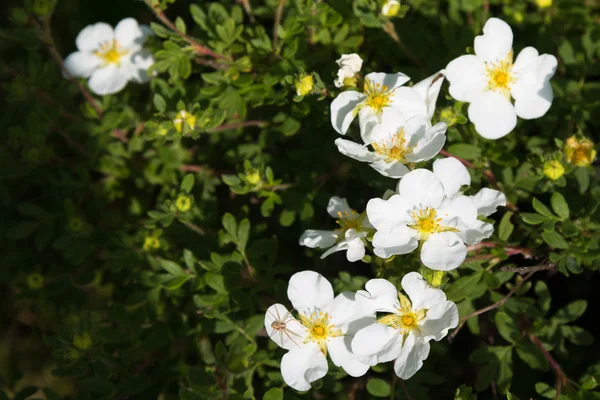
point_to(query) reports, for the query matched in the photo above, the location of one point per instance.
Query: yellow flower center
(405, 319)
(378, 96)
(396, 150)
(499, 75)
(349, 220)
(320, 329)
(427, 222)
(579, 152)
(110, 53)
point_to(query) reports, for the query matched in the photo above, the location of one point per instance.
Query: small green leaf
(541, 208)
(273, 394)
(159, 103)
(180, 25)
(506, 227)
(532, 356)
(571, 312)
(171, 267)
(533, 218)
(287, 217)
(559, 205)
(379, 388)
(230, 225)
(510, 396)
(465, 150)
(555, 240)
(507, 327)
(583, 178)
(243, 232)
(463, 286)
(187, 184)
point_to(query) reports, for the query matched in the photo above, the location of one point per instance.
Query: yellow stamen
(320, 329)
(109, 52)
(396, 150)
(378, 96)
(499, 75)
(426, 222)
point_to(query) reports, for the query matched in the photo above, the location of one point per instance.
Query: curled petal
(380, 296)
(338, 205)
(441, 317)
(487, 201)
(354, 150)
(413, 353)
(343, 110)
(303, 365)
(322, 239)
(391, 81)
(429, 89)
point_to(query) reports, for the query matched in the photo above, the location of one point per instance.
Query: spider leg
(287, 333)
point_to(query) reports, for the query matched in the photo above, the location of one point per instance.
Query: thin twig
(195, 228)
(561, 378)
(390, 29)
(497, 304)
(526, 270)
(405, 390)
(45, 36)
(278, 15)
(248, 9)
(237, 125)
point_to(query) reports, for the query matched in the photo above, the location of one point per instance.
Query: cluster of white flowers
(348, 328)
(111, 57)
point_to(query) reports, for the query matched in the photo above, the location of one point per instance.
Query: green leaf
(230, 225)
(555, 240)
(243, 232)
(159, 103)
(176, 282)
(506, 227)
(583, 179)
(559, 205)
(510, 396)
(532, 356)
(379, 388)
(273, 394)
(464, 392)
(541, 208)
(541, 289)
(465, 150)
(507, 327)
(533, 218)
(577, 335)
(543, 389)
(187, 184)
(287, 217)
(571, 312)
(180, 24)
(463, 286)
(171, 267)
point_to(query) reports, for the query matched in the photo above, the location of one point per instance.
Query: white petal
(140, 62)
(356, 249)
(302, 365)
(129, 34)
(354, 150)
(476, 232)
(440, 318)
(429, 89)
(342, 356)
(408, 102)
(427, 142)
(414, 352)
(334, 249)
(92, 36)
(108, 80)
(81, 64)
(392, 81)
(393, 169)
(352, 61)
(466, 75)
(385, 215)
(461, 208)
(487, 201)
(420, 292)
(309, 291)
(532, 90)
(496, 41)
(453, 175)
(400, 240)
(294, 332)
(421, 188)
(377, 343)
(380, 296)
(338, 205)
(344, 310)
(493, 115)
(443, 251)
(342, 110)
(322, 239)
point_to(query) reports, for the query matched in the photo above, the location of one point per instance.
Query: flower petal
(440, 318)
(421, 188)
(108, 80)
(129, 34)
(413, 353)
(427, 142)
(408, 102)
(140, 62)
(356, 248)
(394, 169)
(92, 36)
(466, 75)
(352, 61)
(487, 201)
(496, 41)
(532, 90)
(380, 296)
(493, 115)
(421, 293)
(400, 240)
(392, 81)
(338, 205)
(309, 291)
(334, 249)
(81, 64)
(343, 110)
(377, 343)
(354, 150)
(385, 215)
(294, 332)
(429, 89)
(345, 309)
(302, 365)
(476, 232)
(452, 174)
(314, 238)
(342, 356)
(443, 251)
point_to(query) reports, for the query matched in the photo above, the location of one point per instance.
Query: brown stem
(525, 270)
(486, 10)
(195, 228)
(248, 9)
(45, 35)
(236, 125)
(497, 304)
(390, 29)
(561, 378)
(198, 48)
(278, 15)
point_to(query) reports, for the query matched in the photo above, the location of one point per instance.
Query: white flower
(404, 334)
(396, 144)
(489, 79)
(430, 209)
(111, 58)
(350, 236)
(326, 326)
(350, 65)
(390, 8)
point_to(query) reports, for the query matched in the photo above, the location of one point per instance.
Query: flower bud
(579, 152)
(304, 85)
(184, 117)
(553, 169)
(544, 3)
(183, 203)
(82, 341)
(35, 280)
(390, 8)
(151, 243)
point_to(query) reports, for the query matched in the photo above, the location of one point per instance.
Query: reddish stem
(236, 125)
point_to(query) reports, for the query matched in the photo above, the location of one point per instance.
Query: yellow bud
(35, 280)
(151, 243)
(544, 3)
(253, 177)
(82, 341)
(390, 8)
(304, 85)
(519, 17)
(579, 152)
(183, 203)
(75, 224)
(162, 131)
(553, 169)
(184, 117)
(448, 116)
(438, 278)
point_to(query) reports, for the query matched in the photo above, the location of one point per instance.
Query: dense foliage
(145, 233)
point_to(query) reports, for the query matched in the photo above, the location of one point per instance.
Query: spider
(280, 325)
